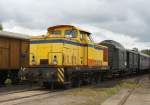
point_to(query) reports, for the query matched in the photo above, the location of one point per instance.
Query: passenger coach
(116, 56)
(132, 61)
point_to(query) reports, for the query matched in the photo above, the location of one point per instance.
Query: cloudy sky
(126, 21)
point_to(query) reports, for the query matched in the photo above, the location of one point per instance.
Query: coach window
(55, 32)
(71, 33)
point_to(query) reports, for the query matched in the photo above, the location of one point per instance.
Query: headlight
(33, 60)
(55, 60)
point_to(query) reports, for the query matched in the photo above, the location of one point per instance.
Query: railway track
(126, 97)
(28, 94)
(14, 98)
(21, 90)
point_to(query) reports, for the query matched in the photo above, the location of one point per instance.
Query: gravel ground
(17, 88)
(90, 95)
(139, 96)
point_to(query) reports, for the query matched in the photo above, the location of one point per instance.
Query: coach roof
(14, 35)
(113, 43)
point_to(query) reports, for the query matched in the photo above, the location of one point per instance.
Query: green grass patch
(96, 95)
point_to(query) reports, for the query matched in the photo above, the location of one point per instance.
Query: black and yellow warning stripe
(60, 75)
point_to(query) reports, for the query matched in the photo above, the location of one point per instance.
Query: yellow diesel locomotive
(66, 56)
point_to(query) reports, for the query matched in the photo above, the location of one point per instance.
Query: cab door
(83, 49)
(67, 55)
(75, 57)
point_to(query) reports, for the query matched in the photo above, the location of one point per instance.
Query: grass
(96, 95)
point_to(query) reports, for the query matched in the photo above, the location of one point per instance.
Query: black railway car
(116, 56)
(144, 62)
(132, 61)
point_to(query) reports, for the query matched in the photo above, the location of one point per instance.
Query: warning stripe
(60, 79)
(60, 74)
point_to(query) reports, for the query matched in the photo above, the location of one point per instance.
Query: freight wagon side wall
(4, 53)
(24, 59)
(132, 60)
(135, 61)
(113, 58)
(143, 62)
(13, 53)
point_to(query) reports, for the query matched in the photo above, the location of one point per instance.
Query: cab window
(71, 33)
(55, 32)
(82, 35)
(89, 38)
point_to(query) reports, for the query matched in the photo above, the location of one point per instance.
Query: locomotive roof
(114, 43)
(59, 26)
(14, 35)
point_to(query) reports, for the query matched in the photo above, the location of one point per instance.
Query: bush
(1, 27)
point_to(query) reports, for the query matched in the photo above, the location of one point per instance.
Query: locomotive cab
(71, 33)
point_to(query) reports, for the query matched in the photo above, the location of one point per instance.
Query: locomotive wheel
(67, 85)
(93, 79)
(75, 82)
(48, 85)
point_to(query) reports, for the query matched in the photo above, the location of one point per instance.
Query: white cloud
(131, 18)
(129, 42)
(17, 29)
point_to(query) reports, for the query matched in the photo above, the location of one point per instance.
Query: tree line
(146, 51)
(1, 27)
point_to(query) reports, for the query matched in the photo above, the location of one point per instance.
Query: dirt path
(140, 95)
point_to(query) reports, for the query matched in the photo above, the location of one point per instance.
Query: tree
(135, 49)
(146, 51)
(1, 27)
